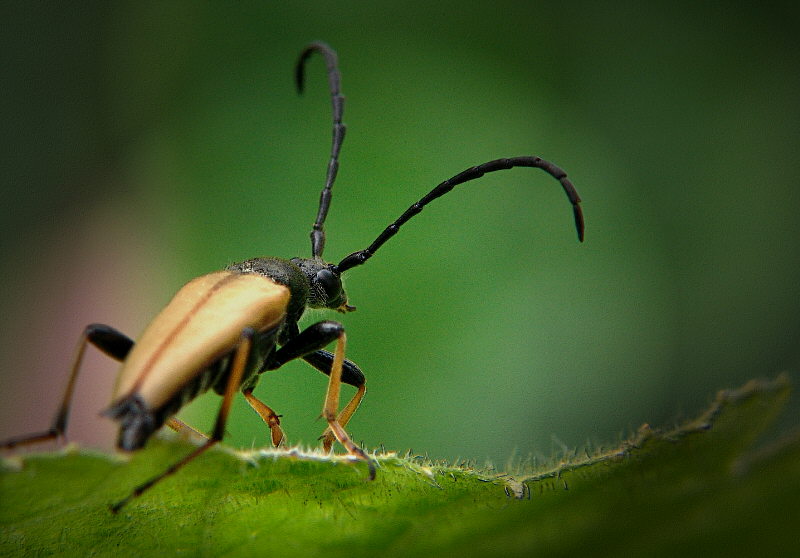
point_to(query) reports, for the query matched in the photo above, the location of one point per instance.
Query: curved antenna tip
(579, 221)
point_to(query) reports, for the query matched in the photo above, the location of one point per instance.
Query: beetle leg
(185, 430)
(268, 416)
(319, 335)
(323, 360)
(111, 342)
(240, 358)
(351, 374)
(328, 437)
(331, 407)
(307, 345)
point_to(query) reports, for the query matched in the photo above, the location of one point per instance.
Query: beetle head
(325, 282)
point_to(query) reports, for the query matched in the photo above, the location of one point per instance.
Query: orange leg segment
(331, 407)
(268, 416)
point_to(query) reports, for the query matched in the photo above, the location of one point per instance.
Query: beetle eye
(330, 287)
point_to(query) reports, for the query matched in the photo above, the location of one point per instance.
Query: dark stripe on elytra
(178, 328)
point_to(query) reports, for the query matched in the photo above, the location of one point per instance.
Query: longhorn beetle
(222, 330)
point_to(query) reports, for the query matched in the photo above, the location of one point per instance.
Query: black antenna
(337, 101)
(358, 258)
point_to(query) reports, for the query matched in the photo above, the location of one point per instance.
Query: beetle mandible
(222, 330)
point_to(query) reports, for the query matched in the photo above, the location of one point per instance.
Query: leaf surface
(704, 488)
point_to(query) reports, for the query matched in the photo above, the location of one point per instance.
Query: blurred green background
(148, 143)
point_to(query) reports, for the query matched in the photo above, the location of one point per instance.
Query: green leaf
(704, 488)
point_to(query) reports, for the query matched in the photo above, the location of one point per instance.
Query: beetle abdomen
(138, 421)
